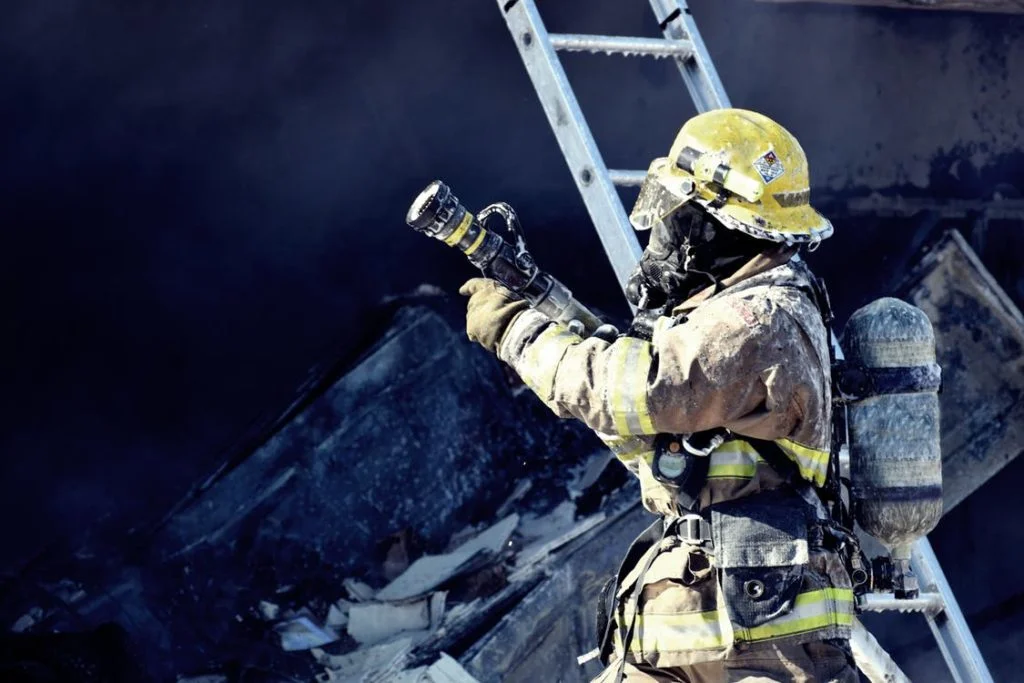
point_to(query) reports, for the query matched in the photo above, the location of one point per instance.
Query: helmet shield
(661, 195)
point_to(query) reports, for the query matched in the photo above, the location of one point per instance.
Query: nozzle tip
(423, 209)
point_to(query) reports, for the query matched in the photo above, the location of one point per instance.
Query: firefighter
(720, 406)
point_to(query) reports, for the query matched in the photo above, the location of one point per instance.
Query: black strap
(857, 382)
(605, 610)
(777, 458)
(651, 536)
(626, 634)
(831, 492)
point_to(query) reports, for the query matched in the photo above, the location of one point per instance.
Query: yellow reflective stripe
(629, 364)
(811, 611)
(732, 472)
(734, 459)
(674, 633)
(539, 362)
(476, 243)
(617, 360)
(812, 462)
(822, 594)
(460, 232)
(796, 626)
(629, 448)
(643, 372)
(640, 454)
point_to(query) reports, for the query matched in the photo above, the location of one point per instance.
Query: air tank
(891, 381)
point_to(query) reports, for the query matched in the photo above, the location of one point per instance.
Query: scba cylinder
(893, 421)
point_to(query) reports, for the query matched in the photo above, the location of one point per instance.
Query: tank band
(856, 382)
(914, 494)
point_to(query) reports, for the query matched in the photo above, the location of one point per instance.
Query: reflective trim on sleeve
(812, 610)
(629, 365)
(540, 359)
(629, 448)
(734, 459)
(812, 462)
(674, 633)
(524, 328)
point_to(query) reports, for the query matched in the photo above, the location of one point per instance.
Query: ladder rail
(698, 72)
(872, 659)
(574, 137)
(954, 637)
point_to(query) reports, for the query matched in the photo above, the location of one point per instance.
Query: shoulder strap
(831, 493)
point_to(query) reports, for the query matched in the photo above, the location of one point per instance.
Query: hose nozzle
(437, 212)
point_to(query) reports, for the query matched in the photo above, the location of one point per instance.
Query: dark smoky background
(200, 200)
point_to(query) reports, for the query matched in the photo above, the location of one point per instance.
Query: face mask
(687, 251)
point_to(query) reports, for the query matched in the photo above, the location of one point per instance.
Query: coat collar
(747, 276)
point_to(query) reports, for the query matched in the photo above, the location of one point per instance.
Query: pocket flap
(764, 530)
(761, 550)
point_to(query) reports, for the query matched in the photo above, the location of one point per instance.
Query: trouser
(825, 661)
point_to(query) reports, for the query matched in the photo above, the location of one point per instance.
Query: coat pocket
(761, 552)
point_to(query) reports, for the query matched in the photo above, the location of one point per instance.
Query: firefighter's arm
(716, 370)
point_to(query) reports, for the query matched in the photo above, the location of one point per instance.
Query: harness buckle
(694, 530)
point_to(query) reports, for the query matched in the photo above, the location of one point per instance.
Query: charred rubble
(396, 510)
(416, 515)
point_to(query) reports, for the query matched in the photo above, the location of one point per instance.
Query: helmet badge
(769, 166)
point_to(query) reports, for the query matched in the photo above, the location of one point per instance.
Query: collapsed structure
(418, 517)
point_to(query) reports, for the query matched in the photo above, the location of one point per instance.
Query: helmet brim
(794, 225)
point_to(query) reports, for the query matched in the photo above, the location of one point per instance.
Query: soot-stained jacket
(752, 358)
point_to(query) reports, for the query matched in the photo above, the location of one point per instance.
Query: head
(735, 184)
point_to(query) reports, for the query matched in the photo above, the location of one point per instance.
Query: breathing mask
(688, 250)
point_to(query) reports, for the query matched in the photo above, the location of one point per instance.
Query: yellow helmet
(744, 169)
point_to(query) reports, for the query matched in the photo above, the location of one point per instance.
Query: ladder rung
(623, 45)
(627, 178)
(930, 603)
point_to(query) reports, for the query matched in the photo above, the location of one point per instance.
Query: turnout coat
(751, 357)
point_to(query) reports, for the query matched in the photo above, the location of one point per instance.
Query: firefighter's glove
(490, 311)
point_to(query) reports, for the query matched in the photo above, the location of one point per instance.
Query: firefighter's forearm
(533, 346)
(603, 384)
(631, 386)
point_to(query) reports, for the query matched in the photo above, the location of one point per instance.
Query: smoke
(203, 199)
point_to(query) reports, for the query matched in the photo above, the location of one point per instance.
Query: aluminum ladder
(596, 183)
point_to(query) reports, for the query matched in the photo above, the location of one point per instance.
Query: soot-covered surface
(202, 201)
(423, 436)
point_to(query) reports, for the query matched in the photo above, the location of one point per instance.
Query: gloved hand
(490, 311)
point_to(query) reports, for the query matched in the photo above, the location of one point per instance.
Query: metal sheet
(979, 336)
